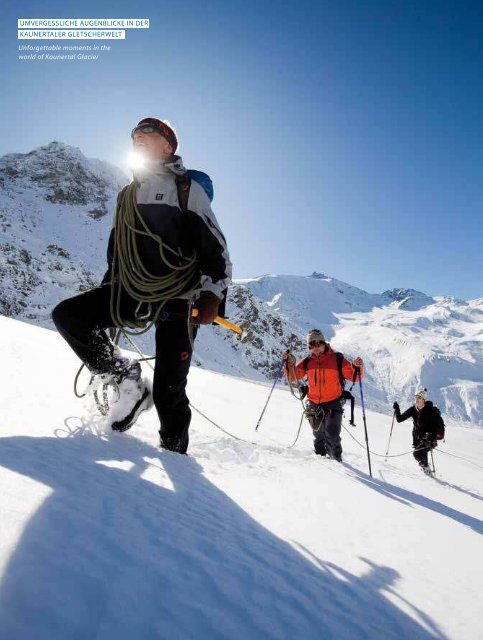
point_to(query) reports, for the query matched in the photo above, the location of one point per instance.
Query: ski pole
(365, 424)
(389, 442)
(432, 461)
(270, 394)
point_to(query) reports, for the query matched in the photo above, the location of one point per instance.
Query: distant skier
(162, 256)
(428, 426)
(325, 371)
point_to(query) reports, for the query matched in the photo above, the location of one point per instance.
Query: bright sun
(136, 160)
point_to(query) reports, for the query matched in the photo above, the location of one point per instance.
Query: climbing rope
(383, 455)
(134, 278)
(130, 275)
(221, 428)
(290, 446)
(453, 455)
(136, 348)
(104, 408)
(300, 395)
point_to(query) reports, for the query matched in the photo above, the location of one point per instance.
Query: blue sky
(343, 137)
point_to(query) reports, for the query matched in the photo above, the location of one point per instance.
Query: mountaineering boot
(176, 445)
(337, 457)
(173, 445)
(134, 398)
(426, 469)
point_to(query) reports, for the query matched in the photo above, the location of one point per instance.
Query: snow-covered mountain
(56, 209)
(406, 338)
(55, 214)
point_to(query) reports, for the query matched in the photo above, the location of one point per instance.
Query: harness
(346, 394)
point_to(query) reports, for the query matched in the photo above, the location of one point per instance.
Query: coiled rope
(132, 276)
(129, 274)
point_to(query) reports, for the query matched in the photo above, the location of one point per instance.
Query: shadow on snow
(111, 554)
(405, 496)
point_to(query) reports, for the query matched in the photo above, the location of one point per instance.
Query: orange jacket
(323, 376)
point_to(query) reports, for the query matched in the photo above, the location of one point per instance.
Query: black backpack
(439, 424)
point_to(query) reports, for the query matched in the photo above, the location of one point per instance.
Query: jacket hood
(172, 165)
(175, 164)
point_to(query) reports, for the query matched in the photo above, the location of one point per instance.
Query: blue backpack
(204, 180)
(183, 184)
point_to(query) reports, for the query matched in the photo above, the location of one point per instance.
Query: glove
(207, 305)
(358, 363)
(395, 406)
(287, 360)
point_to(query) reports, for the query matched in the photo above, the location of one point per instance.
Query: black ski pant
(82, 321)
(422, 450)
(326, 421)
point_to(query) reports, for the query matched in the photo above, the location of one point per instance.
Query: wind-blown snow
(105, 536)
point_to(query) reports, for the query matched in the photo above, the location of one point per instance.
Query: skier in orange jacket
(325, 371)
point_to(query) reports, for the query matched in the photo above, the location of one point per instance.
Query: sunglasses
(316, 343)
(145, 128)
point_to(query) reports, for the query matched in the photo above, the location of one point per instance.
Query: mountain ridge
(53, 246)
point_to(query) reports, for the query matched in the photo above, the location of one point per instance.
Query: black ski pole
(432, 460)
(389, 442)
(270, 394)
(365, 424)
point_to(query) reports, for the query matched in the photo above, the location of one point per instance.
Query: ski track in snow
(104, 535)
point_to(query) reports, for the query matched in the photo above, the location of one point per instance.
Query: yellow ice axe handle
(224, 323)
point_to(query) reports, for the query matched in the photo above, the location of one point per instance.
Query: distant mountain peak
(409, 299)
(403, 294)
(56, 144)
(318, 276)
(61, 174)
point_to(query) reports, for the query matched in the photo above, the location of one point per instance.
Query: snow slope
(105, 536)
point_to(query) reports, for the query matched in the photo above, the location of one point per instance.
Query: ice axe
(223, 322)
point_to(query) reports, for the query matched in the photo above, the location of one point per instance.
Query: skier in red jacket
(325, 371)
